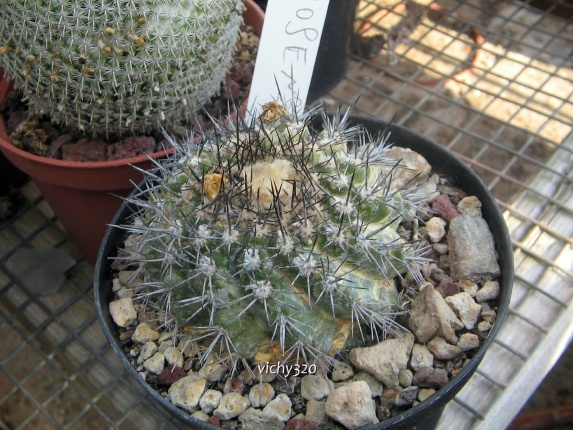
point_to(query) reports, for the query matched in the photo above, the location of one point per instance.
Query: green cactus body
(278, 235)
(112, 67)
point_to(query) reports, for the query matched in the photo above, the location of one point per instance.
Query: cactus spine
(277, 238)
(113, 67)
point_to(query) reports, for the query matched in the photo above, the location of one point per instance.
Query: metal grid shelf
(491, 81)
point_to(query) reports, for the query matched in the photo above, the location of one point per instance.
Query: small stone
(429, 377)
(280, 408)
(300, 424)
(131, 147)
(342, 371)
(143, 333)
(405, 377)
(470, 206)
(210, 400)
(406, 397)
(130, 278)
(415, 167)
(421, 357)
(440, 248)
(431, 316)
(376, 387)
(444, 207)
(200, 415)
(315, 387)
(316, 412)
(484, 326)
(489, 291)
(385, 360)
(468, 341)
(352, 405)
(123, 312)
(124, 292)
(388, 399)
(488, 315)
(442, 350)
(155, 363)
(261, 394)
(436, 229)
(147, 350)
(186, 392)
(232, 405)
(254, 419)
(85, 150)
(173, 356)
(213, 372)
(465, 308)
(214, 421)
(170, 375)
(234, 384)
(424, 393)
(472, 250)
(448, 288)
(468, 286)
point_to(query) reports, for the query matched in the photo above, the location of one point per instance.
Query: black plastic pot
(332, 57)
(426, 414)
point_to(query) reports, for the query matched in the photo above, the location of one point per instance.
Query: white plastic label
(287, 53)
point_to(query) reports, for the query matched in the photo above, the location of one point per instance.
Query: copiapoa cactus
(276, 240)
(112, 67)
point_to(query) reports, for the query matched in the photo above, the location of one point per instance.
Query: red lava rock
(131, 147)
(444, 207)
(85, 150)
(448, 288)
(234, 385)
(171, 375)
(300, 424)
(214, 421)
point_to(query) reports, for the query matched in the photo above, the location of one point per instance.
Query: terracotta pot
(84, 195)
(426, 414)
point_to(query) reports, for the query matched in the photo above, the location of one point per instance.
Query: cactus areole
(113, 67)
(277, 240)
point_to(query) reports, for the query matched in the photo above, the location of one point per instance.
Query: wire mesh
(491, 81)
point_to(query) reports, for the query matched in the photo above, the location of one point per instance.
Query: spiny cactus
(112, 67)
(280, 240)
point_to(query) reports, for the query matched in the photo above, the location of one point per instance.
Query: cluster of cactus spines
(114, 67)
(279, 239)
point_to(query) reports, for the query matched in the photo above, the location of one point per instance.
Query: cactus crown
(276, 237)
(109, 67)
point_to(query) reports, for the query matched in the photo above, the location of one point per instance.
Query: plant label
(287, 53)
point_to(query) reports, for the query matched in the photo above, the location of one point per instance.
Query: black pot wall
(426, 414)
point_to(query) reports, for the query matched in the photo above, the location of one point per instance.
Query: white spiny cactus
(272, 249)
(114, 67)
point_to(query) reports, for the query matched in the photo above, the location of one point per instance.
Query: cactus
(280, 240)
(110, 68)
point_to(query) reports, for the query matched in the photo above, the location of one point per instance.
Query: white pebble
(155, 363)
(280, 408)
(261, 394)
(436, 228)
(173, 356)
(144, 333)
(210, 400)
(147, 351)
(489, 291)
(123, 312)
